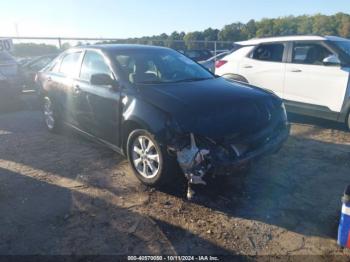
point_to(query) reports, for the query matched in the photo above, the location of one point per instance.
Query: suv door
(265, 67)
(311, 82)
(98, 108)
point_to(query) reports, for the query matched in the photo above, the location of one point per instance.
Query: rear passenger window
(309, 53)
(269, 52)
(70, 64)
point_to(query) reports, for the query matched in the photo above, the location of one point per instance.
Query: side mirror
(331, 60)
(103, 80)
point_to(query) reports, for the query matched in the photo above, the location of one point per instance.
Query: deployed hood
(214, 108)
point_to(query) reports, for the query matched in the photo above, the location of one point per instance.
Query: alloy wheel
(145, 157)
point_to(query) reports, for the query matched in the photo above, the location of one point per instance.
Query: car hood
(213, 108)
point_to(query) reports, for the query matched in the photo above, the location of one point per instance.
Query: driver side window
(93, 63)
(309, 53)
(269, 52)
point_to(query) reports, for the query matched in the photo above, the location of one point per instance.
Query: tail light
(220, 63)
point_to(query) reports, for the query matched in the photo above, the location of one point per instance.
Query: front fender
(146, 116)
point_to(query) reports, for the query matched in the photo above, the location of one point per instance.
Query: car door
(265, 67)
(98, 104)
(68, 71)
(309, 81)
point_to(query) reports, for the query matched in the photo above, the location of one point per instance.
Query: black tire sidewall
(158, 179)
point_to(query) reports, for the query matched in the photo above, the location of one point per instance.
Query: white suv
(311, 73)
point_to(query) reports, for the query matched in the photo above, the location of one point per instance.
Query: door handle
(247, 66)
(77, 89)
(49, 79)
(296, 70)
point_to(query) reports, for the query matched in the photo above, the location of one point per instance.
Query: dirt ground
(61, 194)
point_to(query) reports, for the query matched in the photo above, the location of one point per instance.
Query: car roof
(257, 41)
(121, 47)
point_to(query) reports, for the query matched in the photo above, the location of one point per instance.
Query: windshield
(344, 45)
(158, 66)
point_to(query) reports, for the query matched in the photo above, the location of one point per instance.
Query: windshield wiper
(193, 79)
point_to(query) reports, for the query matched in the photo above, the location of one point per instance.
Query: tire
(347, 122)
(52, 117)
(144, 154)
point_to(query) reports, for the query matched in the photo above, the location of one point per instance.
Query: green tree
(190, 39)
(265, 28)
(304, 25)
(250, 29)
(233, 32)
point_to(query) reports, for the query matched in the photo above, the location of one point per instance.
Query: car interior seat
(140, 73)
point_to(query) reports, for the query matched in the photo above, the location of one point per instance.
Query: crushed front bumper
(271, 145)
(198, 159)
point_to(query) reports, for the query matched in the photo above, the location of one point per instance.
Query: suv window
(269, 52)
(70, 64)
(309, 53)
(93, 63)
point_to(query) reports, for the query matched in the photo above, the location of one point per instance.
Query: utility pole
(16, 29)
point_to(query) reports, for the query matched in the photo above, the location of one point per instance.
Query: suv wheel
(151, 164)
(52, 120)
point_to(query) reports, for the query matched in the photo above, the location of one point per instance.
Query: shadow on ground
(63, 194)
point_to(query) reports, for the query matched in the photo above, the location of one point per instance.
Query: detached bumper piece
(220, 158)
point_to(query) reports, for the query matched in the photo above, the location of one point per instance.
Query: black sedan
(162, 110)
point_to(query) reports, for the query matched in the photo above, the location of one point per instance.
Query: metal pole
(215, 50)
(59, 43)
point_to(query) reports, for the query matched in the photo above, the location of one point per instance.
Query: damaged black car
(162, 110)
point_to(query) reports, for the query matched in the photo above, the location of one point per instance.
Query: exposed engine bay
(198, 156)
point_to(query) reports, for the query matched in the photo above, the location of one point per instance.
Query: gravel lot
(61, 194)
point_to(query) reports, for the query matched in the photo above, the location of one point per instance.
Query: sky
(135, 18)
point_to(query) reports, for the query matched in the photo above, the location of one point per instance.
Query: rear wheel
(51, 116)
(151, 163)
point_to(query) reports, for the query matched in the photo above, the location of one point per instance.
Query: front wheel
(51, 116)
(151, 163)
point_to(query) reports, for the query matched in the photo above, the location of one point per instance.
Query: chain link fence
(36, 46)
